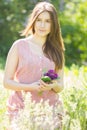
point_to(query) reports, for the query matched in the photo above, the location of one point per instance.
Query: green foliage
(12, 18)
(74, 26)
(2, 63)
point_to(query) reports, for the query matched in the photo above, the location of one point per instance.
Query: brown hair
(53, 47)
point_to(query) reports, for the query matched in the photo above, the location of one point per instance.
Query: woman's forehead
(44, 14)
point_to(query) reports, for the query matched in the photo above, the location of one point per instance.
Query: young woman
(42, 48)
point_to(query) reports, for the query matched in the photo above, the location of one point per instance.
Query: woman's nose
(42, 24)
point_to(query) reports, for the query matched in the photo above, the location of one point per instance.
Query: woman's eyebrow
(45, 19)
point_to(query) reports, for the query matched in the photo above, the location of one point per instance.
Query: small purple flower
(51, 71)
(46, 74)
(52, 74)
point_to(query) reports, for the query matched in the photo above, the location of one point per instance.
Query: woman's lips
(42, 30)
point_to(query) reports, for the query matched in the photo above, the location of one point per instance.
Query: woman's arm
(10, 69)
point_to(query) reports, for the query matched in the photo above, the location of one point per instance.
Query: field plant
(3, 97)
(74, 98)
(37, 116)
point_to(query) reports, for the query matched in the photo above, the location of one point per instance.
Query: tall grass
(3, 97)
(74, 97)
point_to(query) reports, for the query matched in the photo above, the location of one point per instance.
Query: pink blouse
(30, 69)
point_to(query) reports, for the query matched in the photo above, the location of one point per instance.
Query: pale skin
(42, 29)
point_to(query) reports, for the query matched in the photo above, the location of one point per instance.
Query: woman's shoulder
(20, 41)
(18, 44)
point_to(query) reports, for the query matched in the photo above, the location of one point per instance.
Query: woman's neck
(37, 40)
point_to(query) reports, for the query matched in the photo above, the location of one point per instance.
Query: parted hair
(54, 46)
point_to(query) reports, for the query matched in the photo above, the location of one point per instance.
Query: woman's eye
(45, 21)
(38, 20)
(48, 21)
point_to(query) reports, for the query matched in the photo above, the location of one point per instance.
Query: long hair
(53, 47)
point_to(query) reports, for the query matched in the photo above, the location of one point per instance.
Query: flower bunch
(49, 76)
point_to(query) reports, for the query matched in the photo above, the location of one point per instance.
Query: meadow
(74, 97)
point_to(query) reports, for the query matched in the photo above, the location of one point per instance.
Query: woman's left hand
(47, 86)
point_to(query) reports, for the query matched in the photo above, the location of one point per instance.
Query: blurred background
(73, 20)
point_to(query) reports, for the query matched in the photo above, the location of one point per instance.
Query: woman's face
(43, 24)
